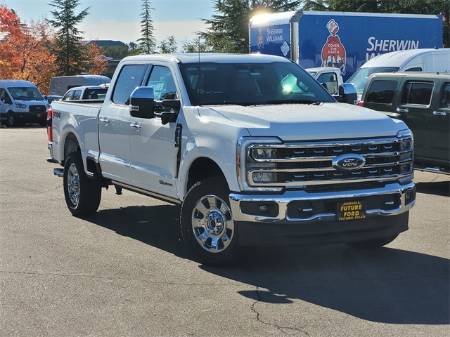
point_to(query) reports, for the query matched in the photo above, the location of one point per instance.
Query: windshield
(359, 79)
(25, 94)
(251, 84)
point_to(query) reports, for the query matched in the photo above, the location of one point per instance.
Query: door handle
(439, 113)
(137, 126)
(104, 120)
(402, 110)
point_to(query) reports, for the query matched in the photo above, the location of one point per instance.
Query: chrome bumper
(283, 200)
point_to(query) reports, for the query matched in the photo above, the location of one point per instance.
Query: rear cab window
(417, 93)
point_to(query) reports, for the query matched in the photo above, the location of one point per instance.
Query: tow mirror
(142, 103)
(347, 94)
(168, 110)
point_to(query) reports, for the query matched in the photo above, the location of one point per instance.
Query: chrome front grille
(303, 164)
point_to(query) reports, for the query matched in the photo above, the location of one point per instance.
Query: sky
(119, 19)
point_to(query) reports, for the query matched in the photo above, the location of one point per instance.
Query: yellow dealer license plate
(351, 210)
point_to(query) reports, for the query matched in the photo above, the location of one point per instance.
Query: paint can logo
(333, 51)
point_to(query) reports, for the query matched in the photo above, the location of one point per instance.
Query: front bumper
(308, 216)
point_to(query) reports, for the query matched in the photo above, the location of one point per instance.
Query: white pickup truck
(254, 150)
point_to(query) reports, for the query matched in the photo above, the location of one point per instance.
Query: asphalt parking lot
(123, 273)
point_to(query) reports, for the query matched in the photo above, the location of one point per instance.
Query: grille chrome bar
(302, 164)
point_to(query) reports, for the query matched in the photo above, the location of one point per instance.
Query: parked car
(86, 93)
(21, 102)
(329, 77)
(254, 150)
(422, 101)
(344, 40)
(60, 84)
(422, 60)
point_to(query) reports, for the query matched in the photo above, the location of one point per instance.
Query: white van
(21, 102)
(426, 60)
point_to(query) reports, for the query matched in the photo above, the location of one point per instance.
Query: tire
(207, 226)
(82, 194)
(372, 244)
(10, 120)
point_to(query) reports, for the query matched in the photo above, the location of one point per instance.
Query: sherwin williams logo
(333, 51)
(349, 162)
(260, 39)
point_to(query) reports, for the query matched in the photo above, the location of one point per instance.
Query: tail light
(361, 103)
(49, 124)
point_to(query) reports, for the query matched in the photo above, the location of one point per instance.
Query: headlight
(21, 106)
(254, 156)
(406, 140)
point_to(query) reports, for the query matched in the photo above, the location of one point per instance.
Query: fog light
(410, 196)
(266, 208)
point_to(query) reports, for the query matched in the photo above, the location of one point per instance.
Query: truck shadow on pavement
(388, 285)
(441, 188)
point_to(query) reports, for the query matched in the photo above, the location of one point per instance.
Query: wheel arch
(202, 168)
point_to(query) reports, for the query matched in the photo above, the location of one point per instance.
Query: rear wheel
(372, 244)
(10, 120)
(82, 194)
(207, 224)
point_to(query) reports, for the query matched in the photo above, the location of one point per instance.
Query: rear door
(115, 128)
(439, 123)
(416, 110)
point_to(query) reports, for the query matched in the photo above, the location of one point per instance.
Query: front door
(415, 109)
(153, 151)
(115, 128)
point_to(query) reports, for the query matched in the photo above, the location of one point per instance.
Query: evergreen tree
(147, 40)
(70, 54)
(168, 46)
(228, 28)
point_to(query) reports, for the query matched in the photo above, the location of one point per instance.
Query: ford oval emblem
(349, 162)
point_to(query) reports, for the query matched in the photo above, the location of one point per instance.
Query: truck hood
(308, 122)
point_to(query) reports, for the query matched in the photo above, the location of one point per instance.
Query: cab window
(162, 82)
(68, 96)
(417, 93)
(331, 81)
(381, 91)
(445, 96)
(130, 78)
(76, 95)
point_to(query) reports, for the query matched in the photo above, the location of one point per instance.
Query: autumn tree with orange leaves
(23, 51)
(26, 52)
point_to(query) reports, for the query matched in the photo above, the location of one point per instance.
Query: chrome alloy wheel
(212, 224)
(73, 185)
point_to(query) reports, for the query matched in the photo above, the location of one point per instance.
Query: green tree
(70, 54)
(147, 40)
(168, 46)
(196, 46)
(387, 6)
(228, 28)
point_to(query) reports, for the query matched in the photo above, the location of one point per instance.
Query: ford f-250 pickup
(254, 150)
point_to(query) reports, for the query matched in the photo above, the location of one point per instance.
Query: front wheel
(372, 244)
(82, 194)
(207, 224)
